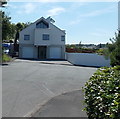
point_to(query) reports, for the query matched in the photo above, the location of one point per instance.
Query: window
(62, 38)
(45, 36)
(26, 37)
(42, 24)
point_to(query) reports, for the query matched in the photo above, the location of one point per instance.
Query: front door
(42, 52)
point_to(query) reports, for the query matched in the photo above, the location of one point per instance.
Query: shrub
(102, 94)
(5, 58)
(100, 51)
(114, 50)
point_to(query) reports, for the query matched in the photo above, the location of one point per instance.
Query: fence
(87, 59)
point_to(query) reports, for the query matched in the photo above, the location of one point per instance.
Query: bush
(102, 94)
(114, 50)
(6, 58)
(100, 51)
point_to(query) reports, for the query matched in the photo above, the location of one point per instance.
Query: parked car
(6, 48)
(6, 51)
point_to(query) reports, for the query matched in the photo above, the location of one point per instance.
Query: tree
(19, 27)
(11, 30)
(8, 29)
(80, 44)
(114, 50)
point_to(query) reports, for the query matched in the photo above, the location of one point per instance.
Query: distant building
(89, 46)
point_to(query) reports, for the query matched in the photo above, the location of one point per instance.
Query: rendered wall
(55, 36)
(87, 59)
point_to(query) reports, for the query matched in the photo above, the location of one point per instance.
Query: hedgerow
(102, 94)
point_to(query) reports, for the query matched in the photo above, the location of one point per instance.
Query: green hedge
(102, 94)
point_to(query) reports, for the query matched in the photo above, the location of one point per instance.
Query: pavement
(55, 62)
(27, 85)
(69, 104)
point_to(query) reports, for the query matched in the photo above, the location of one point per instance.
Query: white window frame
(62, 38)
(26, 37)
(46, 37)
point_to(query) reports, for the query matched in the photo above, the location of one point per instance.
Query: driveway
(26, 85)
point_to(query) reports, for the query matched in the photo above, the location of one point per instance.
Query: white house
(42, 40)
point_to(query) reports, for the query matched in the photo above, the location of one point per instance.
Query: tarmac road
(27, 84)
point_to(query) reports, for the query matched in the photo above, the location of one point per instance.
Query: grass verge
(6, 58)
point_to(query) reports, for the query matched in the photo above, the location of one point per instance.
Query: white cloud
(76, 5)
(27, 8)
(93, 14)
(55, 11)
(98, 12)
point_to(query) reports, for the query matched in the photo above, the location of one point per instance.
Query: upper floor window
(62, 38)
(26, 37)
(45, 36)
(42, 24)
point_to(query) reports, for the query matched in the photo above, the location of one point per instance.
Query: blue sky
(88, 22)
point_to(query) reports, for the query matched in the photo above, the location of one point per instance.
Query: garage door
(27, 52)
(55, 52)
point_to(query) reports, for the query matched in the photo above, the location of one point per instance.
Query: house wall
(36, 39)
(55, 36)
(36, 35)
(27, 31)
(87, 59)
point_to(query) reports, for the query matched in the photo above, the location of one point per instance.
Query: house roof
(42, 18)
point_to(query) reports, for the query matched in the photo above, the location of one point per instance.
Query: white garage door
(55, 52)
(27, 52)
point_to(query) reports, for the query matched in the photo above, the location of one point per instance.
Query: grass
(6, 58)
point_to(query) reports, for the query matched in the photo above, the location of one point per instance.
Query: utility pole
(3, 3)
(119, 16)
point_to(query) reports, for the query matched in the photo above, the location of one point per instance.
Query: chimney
(49, 19)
